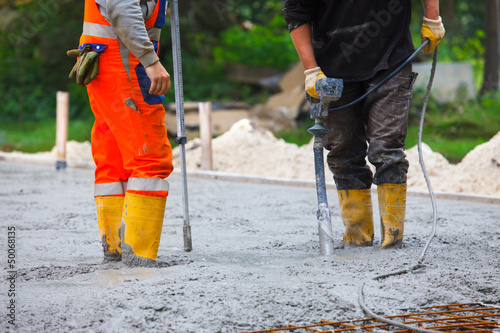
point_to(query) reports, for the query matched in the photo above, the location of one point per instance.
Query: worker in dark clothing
(362, 42)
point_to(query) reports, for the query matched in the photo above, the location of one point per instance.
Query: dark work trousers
(375, 127)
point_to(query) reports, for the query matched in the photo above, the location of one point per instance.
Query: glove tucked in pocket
(87, 66)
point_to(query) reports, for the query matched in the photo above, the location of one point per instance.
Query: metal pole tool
(181, 128)
(329, 90)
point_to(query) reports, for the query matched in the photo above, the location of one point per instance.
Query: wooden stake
(62, 114)
(206, 135)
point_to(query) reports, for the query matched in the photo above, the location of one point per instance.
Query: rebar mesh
(467, 317)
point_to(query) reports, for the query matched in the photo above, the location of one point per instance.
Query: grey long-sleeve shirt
(127, 18)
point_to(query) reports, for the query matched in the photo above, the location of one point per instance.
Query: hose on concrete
(420, 260)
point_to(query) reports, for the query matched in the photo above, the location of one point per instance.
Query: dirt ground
(255, 263)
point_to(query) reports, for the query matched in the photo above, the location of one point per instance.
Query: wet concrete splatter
(255, 262)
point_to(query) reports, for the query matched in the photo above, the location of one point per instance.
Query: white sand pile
(437, 167)
(78, 154)
(45, 157)
(248, 149)
(478, 172)
(251, 150)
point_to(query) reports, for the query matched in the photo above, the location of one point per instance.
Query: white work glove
(434, 31)
(312, 76)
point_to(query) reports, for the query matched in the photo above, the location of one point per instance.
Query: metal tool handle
(325, 229)
(179, 104)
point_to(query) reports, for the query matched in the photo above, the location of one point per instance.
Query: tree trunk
(491, 63)
(22, 90)
(447, 8)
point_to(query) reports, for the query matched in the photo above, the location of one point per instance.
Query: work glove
(312, 76)
(86, 67)
(432, 30)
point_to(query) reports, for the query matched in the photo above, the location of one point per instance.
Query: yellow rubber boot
(357, 214)
(142, 222)
(392, 206)
(109, 219)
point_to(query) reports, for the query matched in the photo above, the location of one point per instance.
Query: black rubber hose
(381, 83)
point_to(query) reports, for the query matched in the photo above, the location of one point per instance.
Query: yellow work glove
(86, 67)
(312, 76)
(434, 31)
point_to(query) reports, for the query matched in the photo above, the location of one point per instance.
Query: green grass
(31, 137)
(452, 129)
(453, 150)
(455, 128)
(299, 136)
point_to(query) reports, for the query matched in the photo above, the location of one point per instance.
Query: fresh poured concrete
(255, 262)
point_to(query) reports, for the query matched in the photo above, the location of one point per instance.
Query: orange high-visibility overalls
(129, 143)
(129, 138)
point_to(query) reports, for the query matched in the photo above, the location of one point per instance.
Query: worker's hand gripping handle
(328, 90)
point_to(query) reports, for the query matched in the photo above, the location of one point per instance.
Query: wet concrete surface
(255, 263)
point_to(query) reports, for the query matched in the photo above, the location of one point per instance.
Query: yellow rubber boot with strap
(142, 223)
(109, 219)
(392, 206)
(357, 214)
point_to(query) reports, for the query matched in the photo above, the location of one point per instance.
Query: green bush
(258, 46)
(42, 134)
(455, 128)
(34, 61)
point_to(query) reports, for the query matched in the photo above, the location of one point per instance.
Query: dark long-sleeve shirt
(354, 39)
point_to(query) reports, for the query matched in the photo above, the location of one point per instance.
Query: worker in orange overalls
(129, 138)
